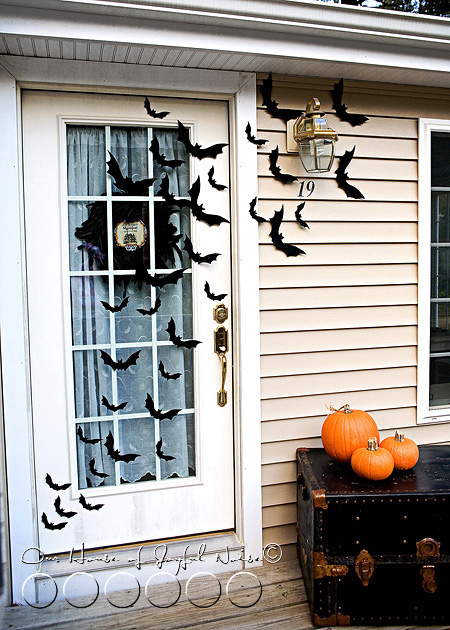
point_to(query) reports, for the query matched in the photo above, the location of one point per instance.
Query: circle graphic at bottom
(242, 573)
(157, 575)
(122, 574)
(206, 605)
(44, 575)
(79, 605)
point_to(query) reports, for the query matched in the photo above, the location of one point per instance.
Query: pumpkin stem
(344, 408)
(399, 436)
(372, 444)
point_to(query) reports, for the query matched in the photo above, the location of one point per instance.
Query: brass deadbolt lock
(220, 313)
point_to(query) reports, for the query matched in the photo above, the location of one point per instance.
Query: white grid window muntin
(109, 199)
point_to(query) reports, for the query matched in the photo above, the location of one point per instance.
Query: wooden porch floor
(282, 606)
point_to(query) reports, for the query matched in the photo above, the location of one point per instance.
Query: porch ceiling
(293, 37)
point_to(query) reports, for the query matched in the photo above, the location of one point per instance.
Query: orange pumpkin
(403, 450)
(372, 462)
(345, 430)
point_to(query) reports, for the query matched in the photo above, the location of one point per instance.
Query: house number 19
(310, 185)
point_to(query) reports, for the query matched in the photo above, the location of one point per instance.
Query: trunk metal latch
(428, 548)
(364, 566)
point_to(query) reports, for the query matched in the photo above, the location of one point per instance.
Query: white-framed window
(433, 384)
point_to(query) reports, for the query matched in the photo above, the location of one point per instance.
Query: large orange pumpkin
(345, 430)
(372, 462)
(403, 450)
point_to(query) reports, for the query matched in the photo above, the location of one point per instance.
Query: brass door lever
(221, 348)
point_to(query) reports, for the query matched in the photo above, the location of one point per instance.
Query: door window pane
(129, 147)
(173, 150)
(86, 166)
(133, 326)
(137, 437)
(88, 247)
(90, 319)
(92, 380)
(92, 459)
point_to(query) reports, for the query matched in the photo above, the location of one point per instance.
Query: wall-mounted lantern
(315, 139)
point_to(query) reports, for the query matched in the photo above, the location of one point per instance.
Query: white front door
(97, 249)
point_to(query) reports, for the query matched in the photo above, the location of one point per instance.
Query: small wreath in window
(130, 234)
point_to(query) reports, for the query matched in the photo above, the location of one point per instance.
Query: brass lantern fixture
(315, 139)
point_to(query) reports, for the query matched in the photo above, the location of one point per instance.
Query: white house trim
(240, 90)
(285, 36)
(425, 414)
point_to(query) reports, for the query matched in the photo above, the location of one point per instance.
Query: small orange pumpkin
(372, 462)
(345, 430)
(403, 450)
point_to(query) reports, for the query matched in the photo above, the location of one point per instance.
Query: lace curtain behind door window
(87, 176)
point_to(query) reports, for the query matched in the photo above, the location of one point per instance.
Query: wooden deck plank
(61, 615)
(181, 615)
(282, 606)
(285, 618)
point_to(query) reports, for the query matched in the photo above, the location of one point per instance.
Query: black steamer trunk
(375, 552)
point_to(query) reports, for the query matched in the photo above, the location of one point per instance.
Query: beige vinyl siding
(339, 324)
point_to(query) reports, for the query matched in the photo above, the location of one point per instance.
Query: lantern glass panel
(316, 155)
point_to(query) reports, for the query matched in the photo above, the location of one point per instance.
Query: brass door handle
(221, 348)
(222, 394)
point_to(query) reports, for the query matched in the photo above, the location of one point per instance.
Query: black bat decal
(285, 178)
(298, 216)
(143, 277)
(342, 177)
(94, 471)
(196, 256)
(89, 506)
(277, 237)
(120, 365)
(157, 413)
(341, 109)
(253, 211)
(164, 192)
(115, 309)
(151, 311)
(198, 211)
(126, 184)
(108, 405)
(272, 106)
(166, 375)
(153, 113)
(196, 149)
(49, 525)
(160, 454)
(213, 182)
(161, 281)
(114, 453)
(85, 439)
(54, 486)
(253, 139)
(177, 340)
(62, 512)
(211, 295)
(160, 158)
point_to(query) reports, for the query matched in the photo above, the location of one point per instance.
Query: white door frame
(240, 90)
